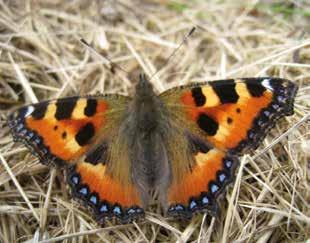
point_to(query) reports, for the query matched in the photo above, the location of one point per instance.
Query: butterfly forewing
(231, 114)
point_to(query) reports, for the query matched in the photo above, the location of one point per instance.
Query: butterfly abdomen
(150, 167)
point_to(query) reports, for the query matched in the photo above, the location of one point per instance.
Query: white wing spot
(30, 109)
(266, 84)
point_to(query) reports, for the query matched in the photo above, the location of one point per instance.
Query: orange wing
(213, 170)
(232, 115)
(79, 133)
(219, 120)
(62, 130)
(106, 196)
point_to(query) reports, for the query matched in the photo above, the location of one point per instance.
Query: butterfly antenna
(175, 50)
(104, 59)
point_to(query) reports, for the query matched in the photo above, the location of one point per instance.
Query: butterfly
(183, 143)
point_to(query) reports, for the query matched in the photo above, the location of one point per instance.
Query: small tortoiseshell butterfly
(184, 143)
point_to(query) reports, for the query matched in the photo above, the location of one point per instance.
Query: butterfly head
(144, 87)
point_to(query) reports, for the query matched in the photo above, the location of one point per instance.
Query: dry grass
(41, 58)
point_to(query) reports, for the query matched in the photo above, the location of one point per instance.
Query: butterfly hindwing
(80, 134)
(211, 172)
(216, 122)
(108, 197)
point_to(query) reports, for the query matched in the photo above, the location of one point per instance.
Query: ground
(42, 57)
